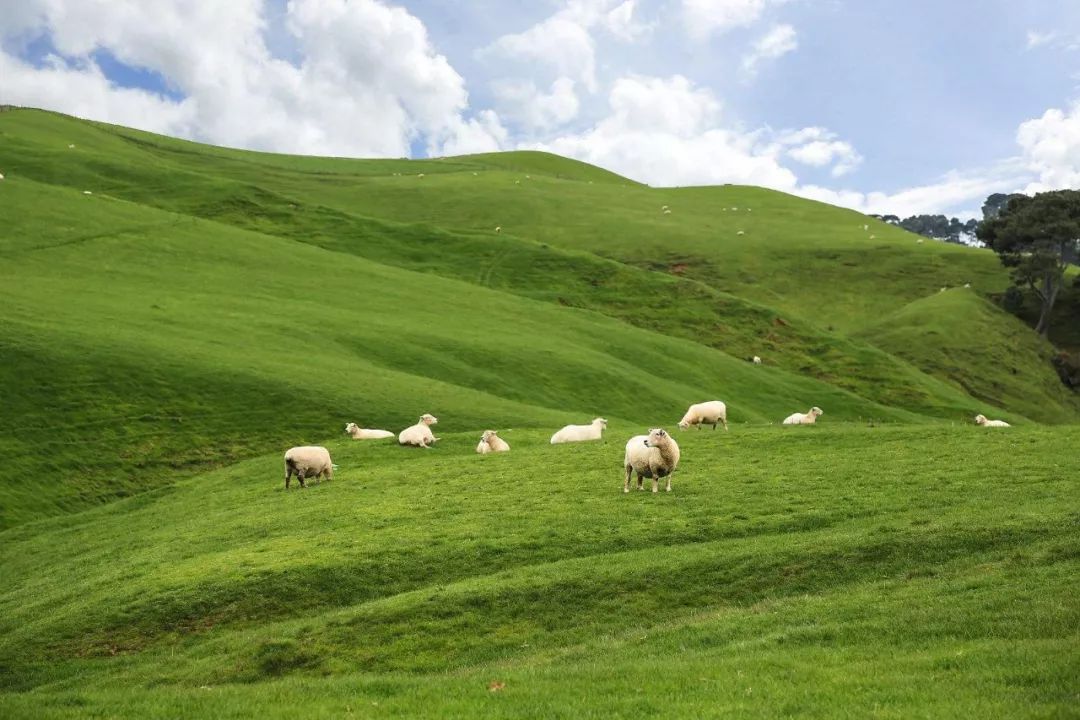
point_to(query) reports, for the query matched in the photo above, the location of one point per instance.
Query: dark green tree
(1034, 236)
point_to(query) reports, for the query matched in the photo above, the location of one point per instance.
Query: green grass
(817, 571)
(165, 338)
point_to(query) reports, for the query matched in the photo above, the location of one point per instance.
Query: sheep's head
(816, 411)
(601, 422)
(429, 419)
(656, 438)
(684, 424)
(980, 419)
(488, 434)
(350, 427)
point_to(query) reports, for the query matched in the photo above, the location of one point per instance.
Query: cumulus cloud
(704, 18)
(1051, 149)
(532, 108)
(776, 43)
(818, 147)
(366, 80)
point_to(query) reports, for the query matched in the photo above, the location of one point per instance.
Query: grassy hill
(165, 337)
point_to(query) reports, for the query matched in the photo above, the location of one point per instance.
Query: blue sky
(879, 105)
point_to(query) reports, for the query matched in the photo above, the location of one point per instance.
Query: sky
(920, 106)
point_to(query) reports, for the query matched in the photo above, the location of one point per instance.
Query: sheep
(71, 146)
(490, 442)
(1, 176)
(655, 455)
(865, 228)
(756, 360)
(667, 212)
(808, 418)
(705, 413)
(517, 182)
(967, 285)
(919, 241)
(359, 433)
(580, 433)
(664, 207)
(873, 237)
(981, 420)
(740, 233)
(87, 192)
(307, 461)
(498, 228)
(419, 175)
(419, 434)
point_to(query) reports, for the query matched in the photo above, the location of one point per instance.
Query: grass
(165, 338)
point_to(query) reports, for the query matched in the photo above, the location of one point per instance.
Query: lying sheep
(580, 433)
(808, 418)
(359, 433)
(706, 413)
(655, 455)
(307, 461)
(490, 442)
(981, 420)
(419, 434)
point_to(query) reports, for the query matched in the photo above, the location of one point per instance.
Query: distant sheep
(705, 413)
(490, 442)
(740, 233)
(87, 192)
(419, 175)
(655, 456)
(967, 285)
(419, 434)
(756, 360)
(1, 176)
(667, 212)
(981, 420)
(664, 207)
(865, 228)
(580, 433)
(919, 241)
(358, 433)
(808, 418)
(306, 462)
(498, 228)
(71, 146)
(873, 237)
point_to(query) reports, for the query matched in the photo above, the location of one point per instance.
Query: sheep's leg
(668, 484)
(626, 482)
(714, 426)
(288, 476)
(300, 477)
(655, 482)
(724, 420)
(640, 479)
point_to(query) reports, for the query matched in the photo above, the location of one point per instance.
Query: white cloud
(777, 42)
(1052, 40)
(367, 81)
(1051, 149)
(522, 102)
(1036, 38)
(818, 147)
(665, 131)
(708, 17)
(560, 42)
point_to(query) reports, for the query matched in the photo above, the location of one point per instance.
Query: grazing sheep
(735, 209)
(517, 182)
(419, 434)
(490, 442)
(667, 212)
(71, 146)
(873, 237)
(87, 192)
(580, 433)
(808, 418)
(865, 228)
(498, 228)
(419, 175)
(307, 461)
(1, 176)
(943, 289)
(655, 455)
(664, 207)
(740, 233)
(359, 433)
(919, 241)
(981, 420)
(756, 360)
(705, 413)
(967, 285)
(474, 174)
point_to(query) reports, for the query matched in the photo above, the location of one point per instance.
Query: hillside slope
(811, 248)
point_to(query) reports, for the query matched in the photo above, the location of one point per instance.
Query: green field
(164, 338)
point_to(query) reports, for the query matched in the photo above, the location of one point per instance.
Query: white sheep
(419, 434)
(490, 442)
(981, 420)
(419, 175)
(873, 237)
(808, 418)
(358, 433)
(756, 360)
(498, 228)
(655, 455)
(1, 176)
(865, 228)
(580, 433)
(740, 233)
(71, 146)
(705, 413)
(87, 192)
(667, 212)
(919, 241)
(664, 207)
(967, 285)
(308, 461)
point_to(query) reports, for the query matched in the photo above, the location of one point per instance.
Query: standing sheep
(419, 434)
(756, 360)
(808, 418)
(981, 420)
(307, 461)
(580, 433)
(655, 455)
(490, 442)
(359, 433)
(706, 413)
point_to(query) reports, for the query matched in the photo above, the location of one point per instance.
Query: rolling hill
(174, 315)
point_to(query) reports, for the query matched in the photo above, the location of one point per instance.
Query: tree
(996, 203)
(1034, 236)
